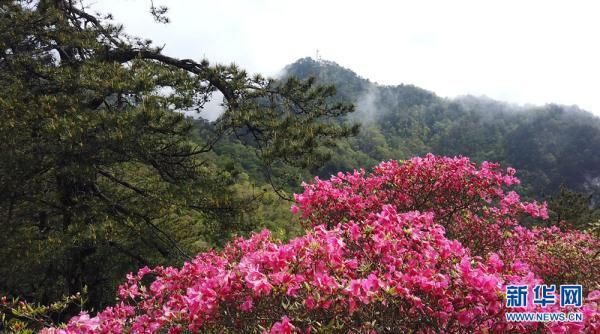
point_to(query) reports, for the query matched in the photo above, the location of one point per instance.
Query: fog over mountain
(177, 177)
(523, 52)
(550, 145)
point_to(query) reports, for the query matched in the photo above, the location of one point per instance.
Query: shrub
(425, 246)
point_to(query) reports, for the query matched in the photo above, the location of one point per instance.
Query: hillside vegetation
(103, 172)
(550, 145)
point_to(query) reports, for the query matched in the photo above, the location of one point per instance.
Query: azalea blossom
(428, 245)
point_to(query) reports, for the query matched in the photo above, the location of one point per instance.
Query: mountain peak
(347, 82)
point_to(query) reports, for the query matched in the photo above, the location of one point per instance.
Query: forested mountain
(102, 173)
(549, 145)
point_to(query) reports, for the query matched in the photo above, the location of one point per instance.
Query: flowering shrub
(469, 202)
(424, 246)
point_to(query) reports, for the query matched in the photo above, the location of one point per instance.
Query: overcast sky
(523, 51)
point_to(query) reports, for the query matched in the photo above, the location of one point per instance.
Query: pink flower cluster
(424, 246)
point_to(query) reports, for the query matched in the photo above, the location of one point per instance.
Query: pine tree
(95, 156)
(573, 208)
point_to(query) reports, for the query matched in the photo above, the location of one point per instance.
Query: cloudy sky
(523, 52)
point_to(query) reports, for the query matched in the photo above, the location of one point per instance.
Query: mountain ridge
(307, 66)
(551, 145)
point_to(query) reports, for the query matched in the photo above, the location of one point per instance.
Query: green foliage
(549, 145)
(573, 208)
(100, 173)
(17, 316)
